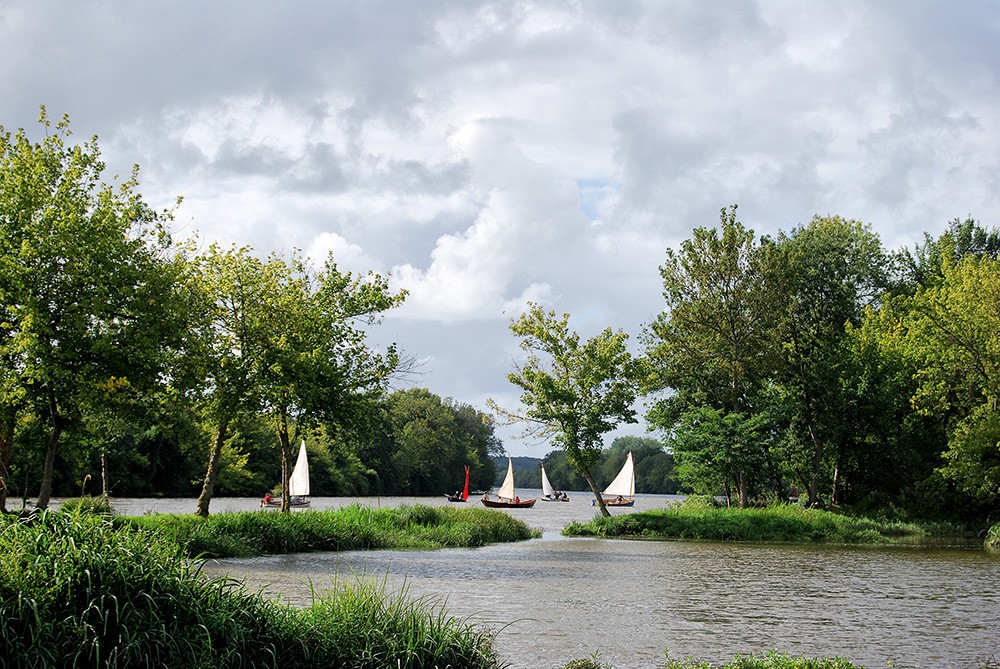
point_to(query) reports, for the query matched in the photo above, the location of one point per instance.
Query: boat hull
(500, 504)
(453, 498)
(545, 498)
(612, 502)
(276, 501)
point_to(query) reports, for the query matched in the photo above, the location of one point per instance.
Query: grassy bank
(769, 660)
(779, 523)
(76, 591)
(252, 533)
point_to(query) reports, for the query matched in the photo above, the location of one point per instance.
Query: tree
(84, 284)
(714, 345)
(923, 265)
(275, 336)
(951, 329)
(573, 391)
(829, 271)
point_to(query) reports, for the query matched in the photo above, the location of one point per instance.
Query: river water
(554, 599)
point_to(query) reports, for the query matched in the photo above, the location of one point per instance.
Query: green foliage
(74, 591)
(768, 660)
(592, 662)
(573, 391)
(86, 287)
(355, 527)
(99, 506)
(780, 523)
(992, 541)
(434, 440)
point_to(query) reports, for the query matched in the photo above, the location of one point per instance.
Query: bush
(75, 591)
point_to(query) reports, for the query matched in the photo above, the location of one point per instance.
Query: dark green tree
(828, 271)
(714, 347)
(85, 285)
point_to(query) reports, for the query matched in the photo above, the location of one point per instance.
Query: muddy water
(554, 599)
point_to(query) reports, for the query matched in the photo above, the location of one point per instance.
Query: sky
(484, 155)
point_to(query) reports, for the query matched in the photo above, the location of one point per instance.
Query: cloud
(489, 154)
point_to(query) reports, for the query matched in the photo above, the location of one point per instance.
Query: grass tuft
(356, 527)
(76, 591)
(778, 523)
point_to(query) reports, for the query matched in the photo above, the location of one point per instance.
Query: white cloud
(490, 154)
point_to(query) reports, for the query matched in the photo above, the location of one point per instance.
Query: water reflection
(557, 599)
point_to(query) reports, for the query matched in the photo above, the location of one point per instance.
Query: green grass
(992, 541)
(765, 661)
(779, 523)
(252, 533)
(76, 591)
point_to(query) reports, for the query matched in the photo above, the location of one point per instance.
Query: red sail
(465, 493)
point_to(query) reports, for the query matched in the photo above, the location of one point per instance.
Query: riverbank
(76, 591)
(784, 523)
(255, 533)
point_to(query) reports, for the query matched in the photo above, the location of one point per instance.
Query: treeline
(133, 364)
(415, 443)
(654, 468)
(813, 362)
(817, 362)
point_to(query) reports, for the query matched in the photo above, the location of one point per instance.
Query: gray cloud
(486, 154)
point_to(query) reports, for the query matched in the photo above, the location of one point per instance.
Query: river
(554, 599)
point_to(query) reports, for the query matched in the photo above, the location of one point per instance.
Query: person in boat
(267, 499)
(517, 500)
(619, 499)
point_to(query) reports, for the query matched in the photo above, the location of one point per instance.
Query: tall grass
(75, 591)
(251, 533)
(992, 541)
(778, 523)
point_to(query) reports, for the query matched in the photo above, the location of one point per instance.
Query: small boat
(464, 495)
(549, 494)
(622, 490)
(506, 498)
(298, 484)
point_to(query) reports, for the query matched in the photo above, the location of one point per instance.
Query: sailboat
(548, 492)
(506, 498)
(298, 484)
(464, 495)
(622, 489)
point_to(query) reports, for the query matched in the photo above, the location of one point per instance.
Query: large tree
(280, 337)
(84, 284)
(573, 391)
(951, 327)
(828, 271)
(714, 345)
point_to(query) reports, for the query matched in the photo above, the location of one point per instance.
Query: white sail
(507, 489)
(547, 488)
(624, 483)
(298, 484)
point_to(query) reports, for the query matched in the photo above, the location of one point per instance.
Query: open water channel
(554, 599)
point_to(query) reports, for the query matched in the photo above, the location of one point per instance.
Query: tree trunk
(45, 493)
(6, 448)
(286, 462)
(835, 492)
(597, 494)
(104, 474)
(741, 487)
(214, 457)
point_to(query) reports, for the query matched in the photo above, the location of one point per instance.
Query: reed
(778, 523)
(356, 527)
(76, 591)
